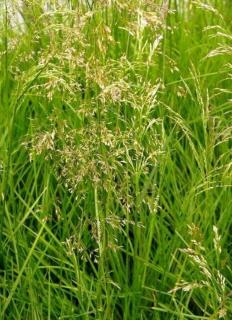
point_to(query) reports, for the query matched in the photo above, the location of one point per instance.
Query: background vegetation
(115, 162)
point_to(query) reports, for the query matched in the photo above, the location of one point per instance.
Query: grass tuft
(115, 159)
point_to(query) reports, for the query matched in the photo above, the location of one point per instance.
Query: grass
(115, 162)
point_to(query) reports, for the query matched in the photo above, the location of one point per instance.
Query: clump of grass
(115, 162)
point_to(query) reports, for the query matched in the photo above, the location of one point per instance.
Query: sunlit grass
(115, 162)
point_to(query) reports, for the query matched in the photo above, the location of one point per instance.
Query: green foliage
(115, 160)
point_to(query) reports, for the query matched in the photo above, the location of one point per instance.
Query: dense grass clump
(115, 159)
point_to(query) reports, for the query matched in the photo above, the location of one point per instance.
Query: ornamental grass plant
(115, 159)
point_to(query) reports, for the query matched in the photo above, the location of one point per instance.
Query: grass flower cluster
(115, 159)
